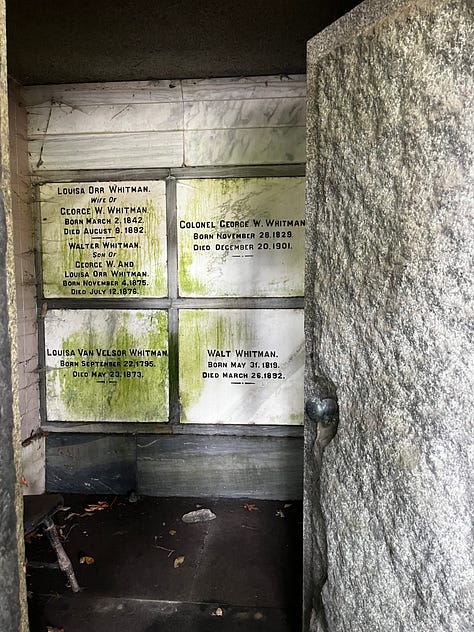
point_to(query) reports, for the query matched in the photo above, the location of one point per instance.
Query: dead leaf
(172, 532)
(100, 506)
(59, 529)
(280, 514)
(251, 507)
(286, 505)
(86, 559)
(52, 628)
(66, 535)
(72, 514)
(32, 536)
(24, 481)
(219, 612)
(178, 561)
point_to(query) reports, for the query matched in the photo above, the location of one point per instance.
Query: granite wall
(390, 303)
(12, 584)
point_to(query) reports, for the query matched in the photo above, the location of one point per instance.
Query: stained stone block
(242, 113)
(91, 464)
(243, 146)
(94, 119)
(233, 467)
(241, 237)
(241, 366)
(107, 365)
(122, 150)
(104, 239)
(234, 88)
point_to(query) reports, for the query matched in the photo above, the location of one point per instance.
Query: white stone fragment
(200, 515)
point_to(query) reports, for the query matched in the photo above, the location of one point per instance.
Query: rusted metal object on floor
(38, 512)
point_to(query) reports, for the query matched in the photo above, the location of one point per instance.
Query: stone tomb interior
(142, 312)
(204, 104)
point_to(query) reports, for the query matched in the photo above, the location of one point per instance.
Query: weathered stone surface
(200, 515)
(390, 317)
(9, 572)
(12, 584)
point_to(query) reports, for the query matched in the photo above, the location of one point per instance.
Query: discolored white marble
(105, 151)
(241, 366)
(252, 240)
(84, 94)
(264, 87)
(99, 119)
(270, 145)
(242, 113)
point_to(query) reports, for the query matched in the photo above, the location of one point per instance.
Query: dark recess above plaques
(106, 40)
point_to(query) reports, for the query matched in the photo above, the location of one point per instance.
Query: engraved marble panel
(271, 145)
(106, 365)
(286, 112)
(104, 239)
(241, 366)
(241, 237)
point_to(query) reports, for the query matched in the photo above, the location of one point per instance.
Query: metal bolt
(323, 411)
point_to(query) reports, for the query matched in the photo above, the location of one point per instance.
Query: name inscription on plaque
(104, 239)
(240, 366)
(107, 365)
(241, 237)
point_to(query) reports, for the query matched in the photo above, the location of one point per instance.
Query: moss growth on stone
(118, 393)
(201, 330)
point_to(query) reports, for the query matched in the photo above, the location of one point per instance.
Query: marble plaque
(241, 237)
(241, 366)
(106, 365)
(104, 239)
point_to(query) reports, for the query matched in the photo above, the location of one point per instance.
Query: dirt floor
(142, 569)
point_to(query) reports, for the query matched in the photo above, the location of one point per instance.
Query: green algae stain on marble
(58, 258)
(192, 345)
(156, 249)
(151, 256)
(233, 240)
(189, 285)
(201, 332)
(79, 263)
(135, 388)
(208, 200)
